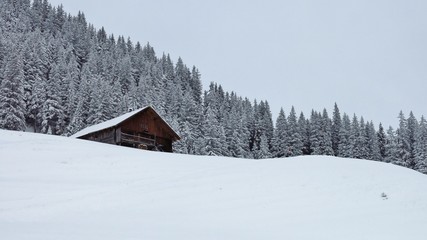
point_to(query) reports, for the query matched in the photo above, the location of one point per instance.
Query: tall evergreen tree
(363, 140)
(196, 86)
(52, 110)
(403, 146)
(280, 142)
(325, 134)
(188, 124)
(12, 105)
(320, 137)
(315, 133)
(345, 142)
(294, 139)
(336, 127)
(35, 66)
(412, 127)
(304, 129)
(215, 136)
(262, 125)
(381, 142)
(328, 134)
(391, 147)
(355, 139)
(373, 150)
(421, 147)
(262, 151)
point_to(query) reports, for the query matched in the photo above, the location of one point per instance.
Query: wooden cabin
(142, 128)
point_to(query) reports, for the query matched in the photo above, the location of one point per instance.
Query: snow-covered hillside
(59, 188)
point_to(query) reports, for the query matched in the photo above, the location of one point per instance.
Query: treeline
(245, 130)
(58, 74)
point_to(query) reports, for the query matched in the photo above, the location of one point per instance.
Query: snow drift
(60, 188)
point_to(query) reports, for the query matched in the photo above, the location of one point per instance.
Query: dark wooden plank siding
(147, 121)
(104, 136)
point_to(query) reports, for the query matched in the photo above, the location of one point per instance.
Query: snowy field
(56, 188)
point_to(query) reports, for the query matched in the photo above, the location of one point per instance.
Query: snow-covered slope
(61, 188)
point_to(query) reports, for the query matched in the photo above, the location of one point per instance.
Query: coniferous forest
(59, 74)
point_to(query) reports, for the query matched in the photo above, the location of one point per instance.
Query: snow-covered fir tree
(293, 136)
(391, 147)
(12, 104)
(420, 150)
(403, 145)
(335, 128)
(345, 140)
(381, 142)
(304, 129)
(280, 142)
(412, 128)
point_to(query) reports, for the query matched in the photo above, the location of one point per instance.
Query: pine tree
(80, 113)
(345, 142)
(336, 127)
(381, 137)
(124, 74)
(3, 50)
(294, 139)
(77, 121)
(52, 111)
(247, 113)
(315, 133)
(412, 127)
(263, 151)
(215, 135)
(391, 147)
(188, 124)
(320, 137)
(362, 140)
(256, 127)
(253, 127)
(236, 128)
(268, 123)
(403, 146)
(326, 134)
(186, 144)
(12, 105)
(182, 76)
(280, 142)
(355, 139)
(421, 147)
(372, 143)
(196, 86)
(263, 124)
(34, 65)
(304, 129)
(72, 81)
(101, 104)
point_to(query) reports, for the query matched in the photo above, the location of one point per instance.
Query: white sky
(369, 56)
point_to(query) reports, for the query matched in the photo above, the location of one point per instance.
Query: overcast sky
(369, 56)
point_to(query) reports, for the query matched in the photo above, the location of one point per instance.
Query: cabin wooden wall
(104, 136)
(147, 121)
(165, 143)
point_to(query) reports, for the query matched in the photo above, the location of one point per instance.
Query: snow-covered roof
(112, 123)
